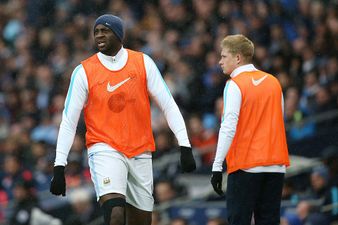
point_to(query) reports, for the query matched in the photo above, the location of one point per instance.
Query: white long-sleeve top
(232, 99)
(78, 93)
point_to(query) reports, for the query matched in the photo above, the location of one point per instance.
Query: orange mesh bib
(260, 135)
(118, 110)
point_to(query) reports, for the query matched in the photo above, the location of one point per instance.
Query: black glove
(216, 181)
(58, 182)
(187, 159)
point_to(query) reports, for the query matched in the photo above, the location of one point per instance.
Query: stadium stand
(42, 41)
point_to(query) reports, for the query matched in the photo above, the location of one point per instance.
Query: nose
(98, 34)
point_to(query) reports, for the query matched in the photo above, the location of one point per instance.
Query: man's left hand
(216, 182)
(188, 163)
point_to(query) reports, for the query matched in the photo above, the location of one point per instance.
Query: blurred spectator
(43, 161)
(75, 174)
(289, 192)
(12, 172)
(216, 221)
(202, 139)
(45, 131)
(323, 100)
(319, 179)
(308, 214)
(79, 152)
(218, 111)
(310, 89)
(84, 211)
(164, 143)
(294, 116)
(290, 219)
(330, 159)
(179, 221)
(156, 218)
(325, 103)
(26, 209)
(164, 191)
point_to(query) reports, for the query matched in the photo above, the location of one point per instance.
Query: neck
(115, 51)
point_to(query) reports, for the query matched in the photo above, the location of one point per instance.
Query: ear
(239, 58)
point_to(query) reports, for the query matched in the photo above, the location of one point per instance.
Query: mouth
(101, 44)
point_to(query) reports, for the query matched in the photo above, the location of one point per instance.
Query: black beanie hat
(112, 22)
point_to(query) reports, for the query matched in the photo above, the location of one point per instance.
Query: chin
(104, 51)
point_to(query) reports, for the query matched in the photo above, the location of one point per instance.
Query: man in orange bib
(113, 88)
(251, 138)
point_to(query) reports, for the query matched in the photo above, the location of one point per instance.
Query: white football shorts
(113, 172)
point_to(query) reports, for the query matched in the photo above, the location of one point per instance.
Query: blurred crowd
(42, 41)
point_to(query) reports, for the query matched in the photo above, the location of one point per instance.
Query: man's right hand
(58, 182)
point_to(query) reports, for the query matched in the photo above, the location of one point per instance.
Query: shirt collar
(241, 69)
(116, 58)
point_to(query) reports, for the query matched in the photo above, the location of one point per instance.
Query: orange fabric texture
(118, 110)
(260, 138)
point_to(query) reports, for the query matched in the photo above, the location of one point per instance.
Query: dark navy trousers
(254, 194)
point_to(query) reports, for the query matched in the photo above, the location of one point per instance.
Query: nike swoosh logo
(116, 86)
(260, 80)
